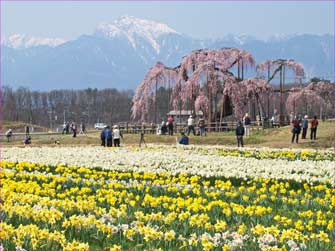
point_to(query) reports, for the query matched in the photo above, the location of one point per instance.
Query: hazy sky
(68, 20)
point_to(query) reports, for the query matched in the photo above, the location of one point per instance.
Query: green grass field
(275, 138)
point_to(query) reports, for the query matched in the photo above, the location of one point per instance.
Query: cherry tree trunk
(223, 109)
(209, 111)
(260, 108)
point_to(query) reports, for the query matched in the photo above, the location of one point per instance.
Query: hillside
(273, 138)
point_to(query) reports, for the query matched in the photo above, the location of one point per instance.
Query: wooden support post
(156, 102)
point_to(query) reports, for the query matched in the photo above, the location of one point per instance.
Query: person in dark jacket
(183, 139)
(304, 127)
(108, 136)
(27, 140)
(26, 130)
(67, 128)
(102, 137)
(163, 128)
(202, 126)
(295, 130)
(74, 130)
(314, 126)
(239, 134)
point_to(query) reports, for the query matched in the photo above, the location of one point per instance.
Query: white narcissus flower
(292, 244)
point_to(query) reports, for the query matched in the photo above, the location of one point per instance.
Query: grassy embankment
(276, 138)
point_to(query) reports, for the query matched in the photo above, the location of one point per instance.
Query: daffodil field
(166, 197)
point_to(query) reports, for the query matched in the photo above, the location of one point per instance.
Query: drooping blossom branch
(158, 76)
(275, 65)
(301, 98)
(255, 88)
(202, 103)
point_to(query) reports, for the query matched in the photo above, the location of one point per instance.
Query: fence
(128, 128)
(182, 127)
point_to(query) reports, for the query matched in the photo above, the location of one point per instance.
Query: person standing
(74, 130)
(64, 128)
(67, 128)
(108, 136)
(202, 126)
(239, 134)
(247, 122)
(273, 121)
(153, 128)
(291, 117)
(314, 126)
(102, 137)
(82, 128)
(304, 127)
(116, 136)
(9, 134)
(163, 128)
(26, 130)
(295, 130)
(170, 122)
(190, 125)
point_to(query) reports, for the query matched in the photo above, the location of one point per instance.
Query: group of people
(167, 127)
(299, 124)
(112, 136)
(191, 126)
(108, 136)
(73, 127)
(27, 138)
(184, 140)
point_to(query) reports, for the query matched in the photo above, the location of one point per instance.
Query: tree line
(53, 108)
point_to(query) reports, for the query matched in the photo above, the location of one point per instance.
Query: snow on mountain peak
(19, 41)
(280, 37)
(141, 26)
(133, 27)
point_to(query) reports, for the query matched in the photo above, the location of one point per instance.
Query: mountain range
(118, 55)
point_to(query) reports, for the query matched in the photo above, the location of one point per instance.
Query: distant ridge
(118, 54)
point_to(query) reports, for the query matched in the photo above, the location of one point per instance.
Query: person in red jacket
(170, 122)
(314, 126)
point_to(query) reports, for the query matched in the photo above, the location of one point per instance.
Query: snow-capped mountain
(135, 30)
(118, 55)
(21, 41)
(237, 39)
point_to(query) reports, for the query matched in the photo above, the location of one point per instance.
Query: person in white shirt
(116, 136)
(190, 125)
(9, 134)
(247, 123)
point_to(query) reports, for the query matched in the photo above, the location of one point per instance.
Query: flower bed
(53, 207)
(204, 161)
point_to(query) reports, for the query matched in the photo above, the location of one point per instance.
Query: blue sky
(69, 20)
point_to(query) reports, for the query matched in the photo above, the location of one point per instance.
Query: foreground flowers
(68, 207)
